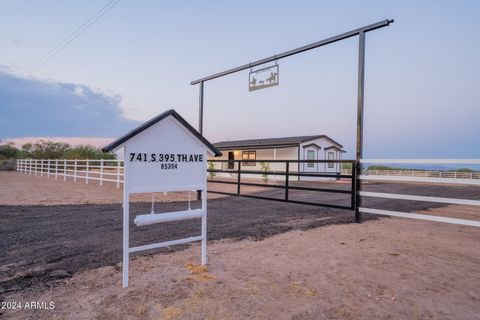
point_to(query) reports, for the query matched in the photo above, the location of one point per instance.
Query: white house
(317, 147)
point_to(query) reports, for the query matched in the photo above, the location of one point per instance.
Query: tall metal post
(200, 109)
(200, 123)
(359, 148)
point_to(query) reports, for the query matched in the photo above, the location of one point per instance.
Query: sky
(422, 97)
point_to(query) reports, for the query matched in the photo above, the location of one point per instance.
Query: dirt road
(384, 269)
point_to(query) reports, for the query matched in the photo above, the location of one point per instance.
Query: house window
(249, 155)
(310, 156)
(331, 156)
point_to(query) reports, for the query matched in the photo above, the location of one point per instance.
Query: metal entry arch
(360, 32)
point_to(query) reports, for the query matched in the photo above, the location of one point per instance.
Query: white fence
(104, 170)
(421, 173)
(101, 170)
(428, 179)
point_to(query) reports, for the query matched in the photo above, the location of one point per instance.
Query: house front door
(231, 162)
(311, 154)
(331, 166)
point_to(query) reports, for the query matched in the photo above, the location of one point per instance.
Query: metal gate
(286, 173)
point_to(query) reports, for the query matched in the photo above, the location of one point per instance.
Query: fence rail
(426, 178)
(101, 170)
(442, 174)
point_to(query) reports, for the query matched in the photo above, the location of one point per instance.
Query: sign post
(165, 154)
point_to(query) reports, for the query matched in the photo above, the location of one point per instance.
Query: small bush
(265, 167)
(211, 166)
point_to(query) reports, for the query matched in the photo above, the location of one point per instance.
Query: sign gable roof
(115, 144)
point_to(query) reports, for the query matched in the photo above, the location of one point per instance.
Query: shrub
(87, 152)
(265, 167)
(211, 166)
(8, 151)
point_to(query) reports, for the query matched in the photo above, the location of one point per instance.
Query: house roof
(151, 122)
(335, 147)
(270, 142)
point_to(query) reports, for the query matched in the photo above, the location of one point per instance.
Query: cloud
(16, 42)
(33, 107)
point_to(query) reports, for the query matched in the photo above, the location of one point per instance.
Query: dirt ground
(384, 269)
(268, 260)
(24, 189)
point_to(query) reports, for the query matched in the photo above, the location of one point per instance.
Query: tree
(87, 152)
(8, 151)
(44, 149)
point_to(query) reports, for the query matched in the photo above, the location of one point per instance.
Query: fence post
(75, 171)
(101, 172)
(30, 169)
(48, 168)
(238, 177)
(287, 178)
(56, 169)
(354, 186)
(118, 174)
(64, 170)
(86, 171)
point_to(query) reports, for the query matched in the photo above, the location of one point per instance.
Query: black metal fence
(287, 173)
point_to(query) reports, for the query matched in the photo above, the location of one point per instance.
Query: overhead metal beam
(292, 52)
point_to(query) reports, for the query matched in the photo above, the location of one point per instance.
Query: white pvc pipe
(164, 244)
(147, 219)
(204, 226)
(126, 225)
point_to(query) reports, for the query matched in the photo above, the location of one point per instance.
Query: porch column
(275, 165)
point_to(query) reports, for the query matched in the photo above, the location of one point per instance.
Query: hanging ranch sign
(263, 78)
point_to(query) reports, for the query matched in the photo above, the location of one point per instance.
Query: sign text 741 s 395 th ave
(165, 157)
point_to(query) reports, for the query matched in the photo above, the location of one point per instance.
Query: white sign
(263, 78)
(164, 154)
(165, 158)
